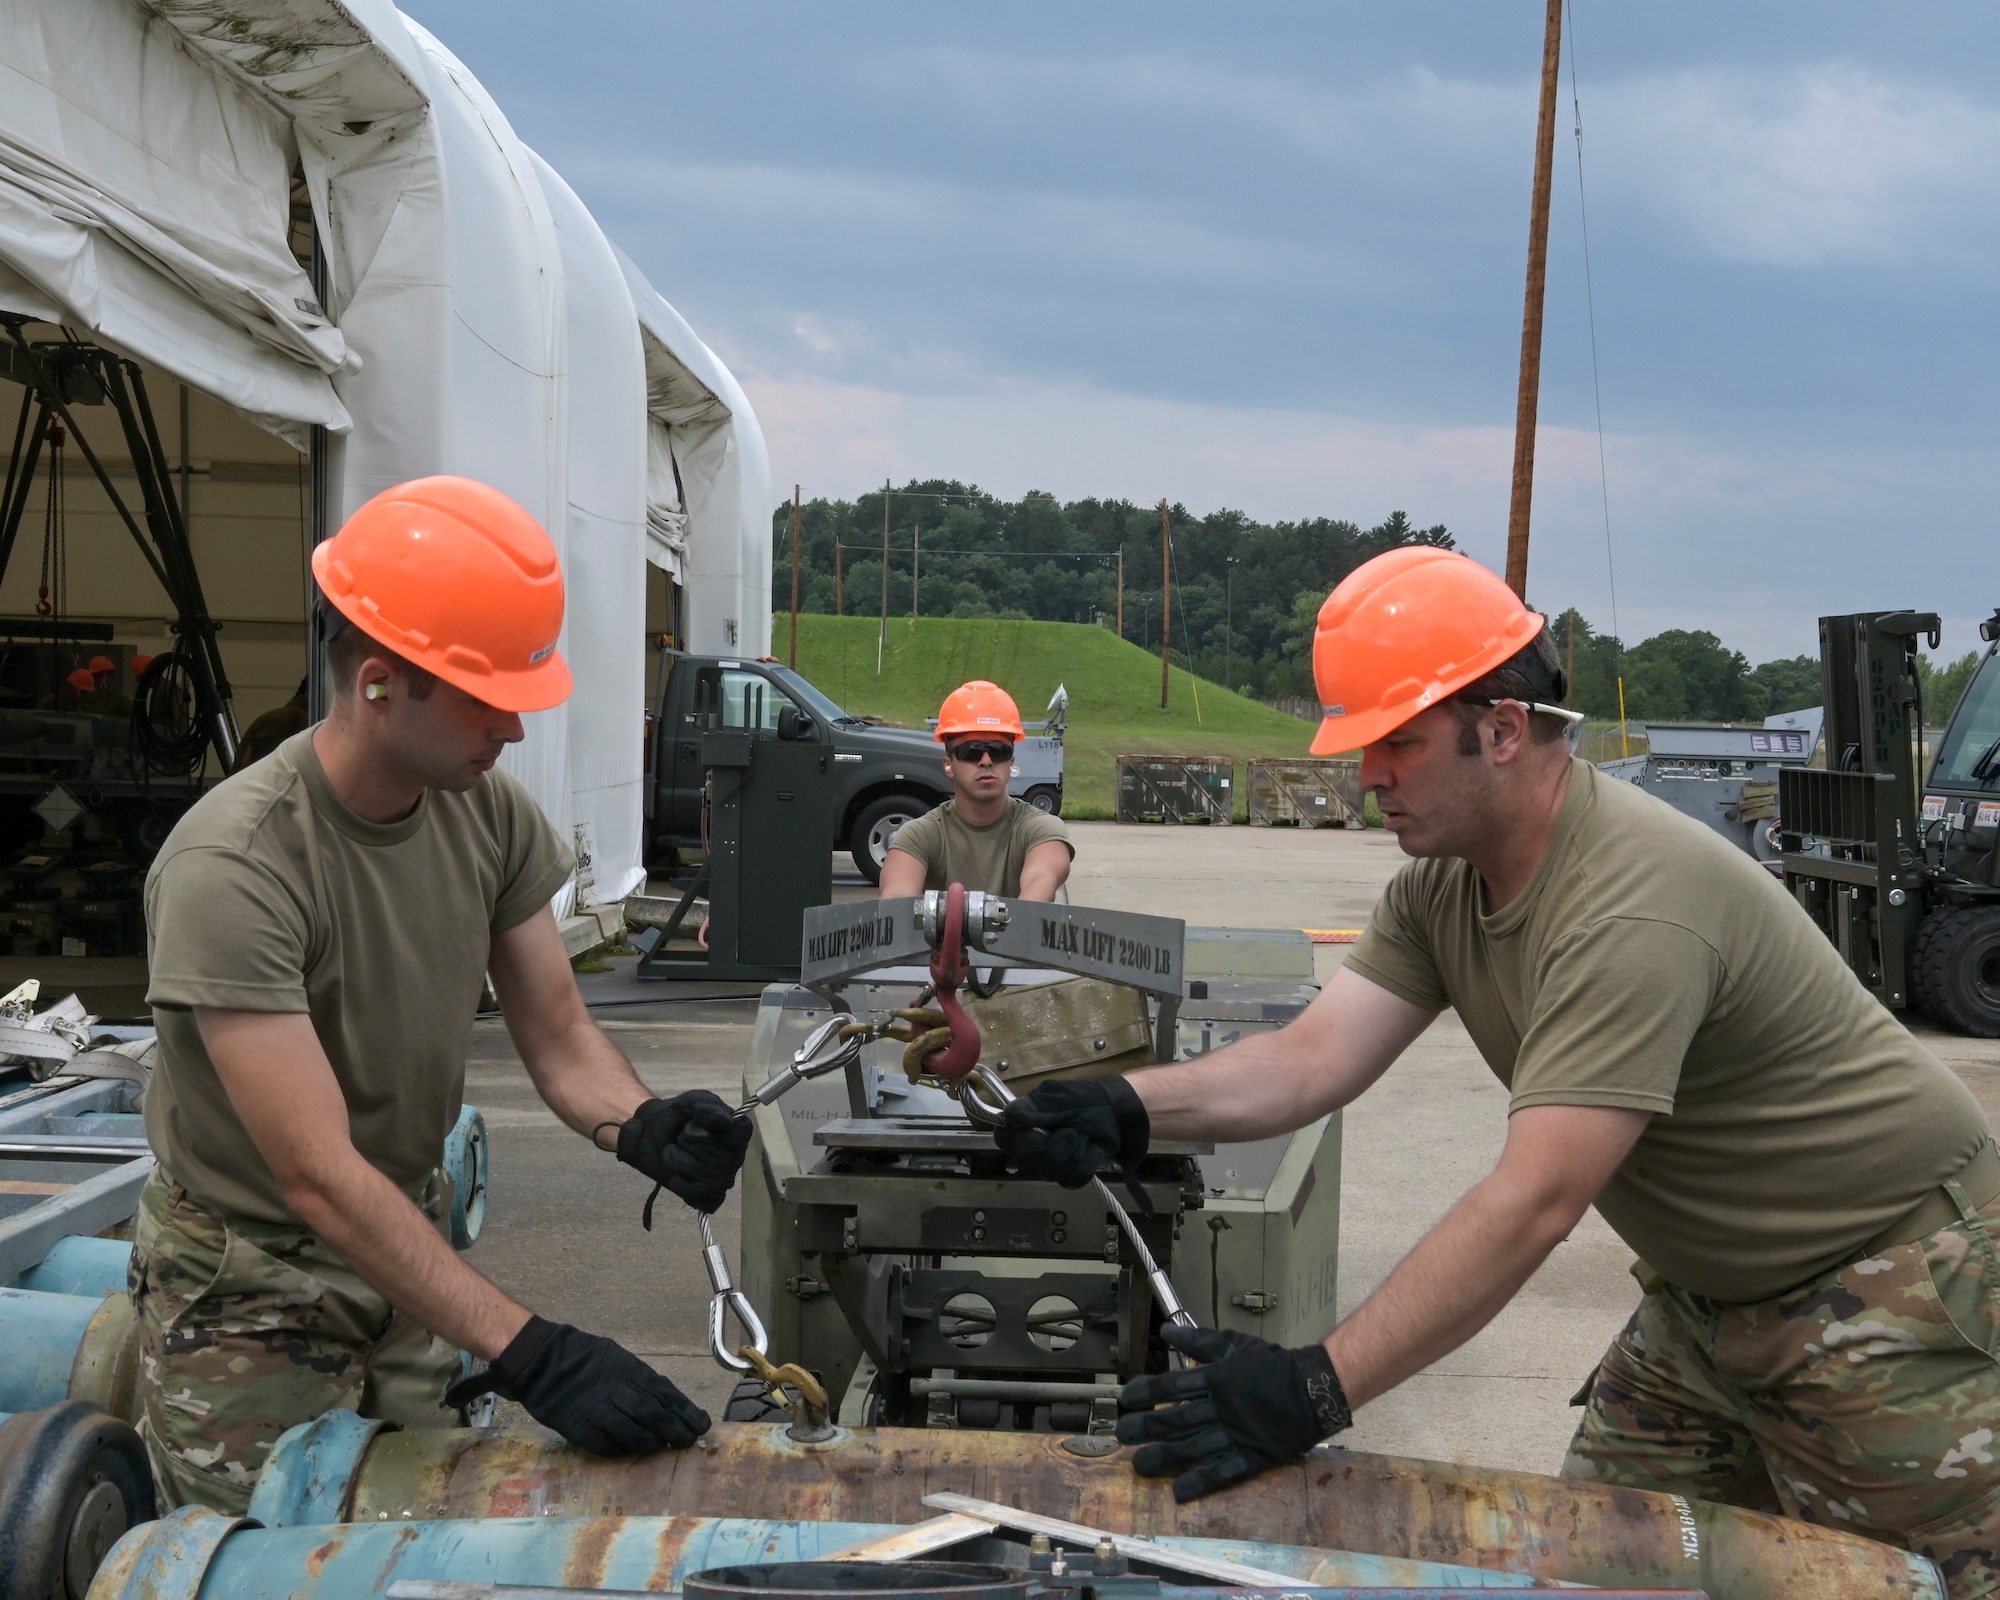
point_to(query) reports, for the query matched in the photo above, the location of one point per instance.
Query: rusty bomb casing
(1552, 1528)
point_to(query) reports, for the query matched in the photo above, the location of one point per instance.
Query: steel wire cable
(1590, 303)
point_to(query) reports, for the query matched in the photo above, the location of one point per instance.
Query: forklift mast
(1874, 697)
(1850, 846)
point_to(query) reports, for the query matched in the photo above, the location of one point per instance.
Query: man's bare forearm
(1252, 1090)
(588, 1082)
(1445, 1290)
(1556, 1160)
(1271, 1083)
(398, 1251)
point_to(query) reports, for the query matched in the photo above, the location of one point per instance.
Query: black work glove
(691, 1145)
(591, 1390)
(1250, 1405)
(1072, 1129)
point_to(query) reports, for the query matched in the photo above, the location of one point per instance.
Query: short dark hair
(1533, 673)
(347, 647)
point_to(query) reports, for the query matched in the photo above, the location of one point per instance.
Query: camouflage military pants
(250, 1328)
(1867, 1399)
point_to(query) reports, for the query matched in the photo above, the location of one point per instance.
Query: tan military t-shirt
(989, 858)
(1650, 964)
(271, 895)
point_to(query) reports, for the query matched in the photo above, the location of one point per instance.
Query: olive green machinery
(1900, 868)
(886, 1245)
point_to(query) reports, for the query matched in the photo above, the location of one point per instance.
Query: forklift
(1900, 867)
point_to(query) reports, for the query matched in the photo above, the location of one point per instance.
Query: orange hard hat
(140, 664)
(81, 679)
(103, 664)
(979, 707)
(1404, 631)
(459, 580)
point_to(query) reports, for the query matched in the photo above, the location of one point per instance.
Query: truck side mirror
(794, 724)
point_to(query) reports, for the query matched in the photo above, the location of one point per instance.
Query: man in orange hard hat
(981, 837)
(1811, 1192)
(320, 928)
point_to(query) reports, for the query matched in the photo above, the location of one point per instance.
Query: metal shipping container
(1176, 789)
(1305, 792)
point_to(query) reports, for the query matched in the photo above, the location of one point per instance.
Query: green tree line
(1245, 594)
(1685, 675)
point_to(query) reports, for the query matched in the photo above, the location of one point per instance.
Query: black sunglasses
(972, 749)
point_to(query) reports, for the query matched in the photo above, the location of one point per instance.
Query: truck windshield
(802, 691)
(1970, 753)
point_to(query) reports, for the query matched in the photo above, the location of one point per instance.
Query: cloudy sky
(1270, 256)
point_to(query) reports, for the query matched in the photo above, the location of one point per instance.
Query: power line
(1590, 301)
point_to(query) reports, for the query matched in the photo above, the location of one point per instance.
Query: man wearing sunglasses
(1813, 1196)
(982, 837)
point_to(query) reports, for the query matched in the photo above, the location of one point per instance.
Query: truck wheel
(1045, 797)
(1955, 969)
(876, 827)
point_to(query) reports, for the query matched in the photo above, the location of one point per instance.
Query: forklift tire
(750, 1401)
(876, 826)
(1046, 798)
(1955, 968)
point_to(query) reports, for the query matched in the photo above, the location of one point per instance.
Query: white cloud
(1819, 165)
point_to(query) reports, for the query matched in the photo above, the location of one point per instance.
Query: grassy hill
(1114, 690)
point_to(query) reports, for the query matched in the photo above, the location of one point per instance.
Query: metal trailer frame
(65, 1179)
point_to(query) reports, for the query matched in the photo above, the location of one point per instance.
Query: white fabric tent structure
(471, 318)
(708, 466)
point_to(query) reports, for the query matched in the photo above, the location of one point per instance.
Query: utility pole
(1529, 399)
(794, 659)
(1166, 606)
(1228, 615)
(1121, 591)
(882, 638)
(839, 608)
(916, 565)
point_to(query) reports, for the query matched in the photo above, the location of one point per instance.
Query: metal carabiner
(728, 1298)
(806, 1062)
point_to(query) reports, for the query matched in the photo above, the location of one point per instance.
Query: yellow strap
(812, 1394)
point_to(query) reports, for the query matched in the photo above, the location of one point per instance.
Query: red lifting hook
(949, 969)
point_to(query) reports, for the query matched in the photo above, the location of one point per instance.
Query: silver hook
(726, 1299)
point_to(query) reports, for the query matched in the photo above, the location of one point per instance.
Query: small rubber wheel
(877, 826)
(750, 1401)
(73, 1479)
(1045, 797)
(1955, 968)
